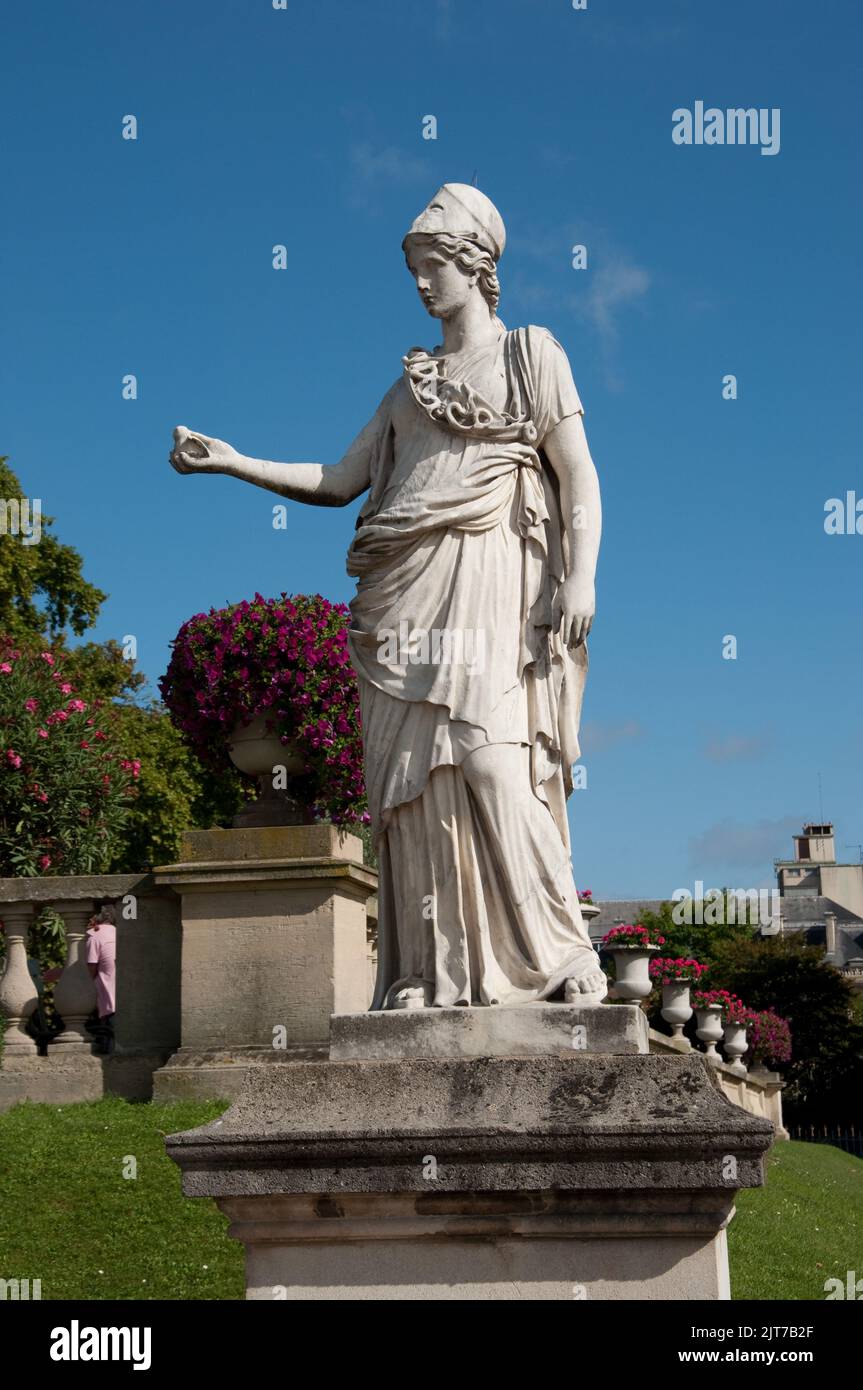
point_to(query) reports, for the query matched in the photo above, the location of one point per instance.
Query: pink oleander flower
(5, 667)
(43, 820)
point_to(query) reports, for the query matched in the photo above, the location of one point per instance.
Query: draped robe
(461, 535)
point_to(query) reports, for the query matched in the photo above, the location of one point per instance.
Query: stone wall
(147, 1028)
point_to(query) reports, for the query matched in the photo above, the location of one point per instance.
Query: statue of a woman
(474, 556)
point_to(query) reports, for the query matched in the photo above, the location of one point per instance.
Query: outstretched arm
(568, 453)
(322, 485)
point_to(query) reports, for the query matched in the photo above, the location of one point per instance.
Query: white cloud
(373, 167)
(732, 748)
(733, 844)
(614, 286)
(596, 737)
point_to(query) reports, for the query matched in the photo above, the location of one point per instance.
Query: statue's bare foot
(412, 997)
(589, 988)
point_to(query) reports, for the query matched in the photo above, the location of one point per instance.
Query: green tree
(700, 941)
(100, 671)
(825, 1074)
(45, 600)
(174, 792)
(42, 589)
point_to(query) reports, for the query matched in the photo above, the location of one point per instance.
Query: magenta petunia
(287, 657)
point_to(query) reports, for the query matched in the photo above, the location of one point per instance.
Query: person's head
(452, 250)
(105, 914)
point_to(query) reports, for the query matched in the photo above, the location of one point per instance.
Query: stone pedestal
(568, 1174)
(274, 942)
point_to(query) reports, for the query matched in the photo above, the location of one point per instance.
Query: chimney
(830, 929)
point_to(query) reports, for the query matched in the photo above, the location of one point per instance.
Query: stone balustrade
(235, 956)
(148, 981)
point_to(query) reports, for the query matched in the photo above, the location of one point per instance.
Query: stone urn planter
(260, 753)
(631, 971)
(709, 1031)
(734, 1046)
(676, 1008)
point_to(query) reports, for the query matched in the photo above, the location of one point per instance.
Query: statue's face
(442, 286)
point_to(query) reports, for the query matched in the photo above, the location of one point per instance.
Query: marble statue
(474, 556)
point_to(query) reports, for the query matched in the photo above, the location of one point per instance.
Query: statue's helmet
(459, 209)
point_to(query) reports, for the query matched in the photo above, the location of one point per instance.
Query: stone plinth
(273, 942)
(523, 1030)
(501, 1177)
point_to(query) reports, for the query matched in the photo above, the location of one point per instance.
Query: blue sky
(304, 127)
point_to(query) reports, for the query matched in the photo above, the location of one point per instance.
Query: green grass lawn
(69, 1217)
(804, 1226)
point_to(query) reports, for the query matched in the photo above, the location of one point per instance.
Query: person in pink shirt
(101, 962)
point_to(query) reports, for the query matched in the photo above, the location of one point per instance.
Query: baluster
(18, 994)
(75, 993)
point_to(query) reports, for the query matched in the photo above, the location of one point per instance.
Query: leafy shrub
(66, 782)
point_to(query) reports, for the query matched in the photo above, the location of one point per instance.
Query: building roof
(801, 910)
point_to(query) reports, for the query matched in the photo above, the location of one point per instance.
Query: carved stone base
(540, 1177)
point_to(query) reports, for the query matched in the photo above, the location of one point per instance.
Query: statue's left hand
(574, 609)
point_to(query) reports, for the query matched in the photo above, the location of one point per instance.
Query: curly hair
(469, 257)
